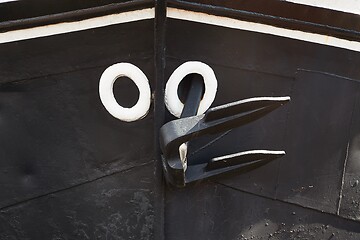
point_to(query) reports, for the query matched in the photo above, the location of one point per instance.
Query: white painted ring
(106, 84)
(172, 101)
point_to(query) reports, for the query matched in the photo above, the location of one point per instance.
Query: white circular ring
(106, 84)
(172, 101)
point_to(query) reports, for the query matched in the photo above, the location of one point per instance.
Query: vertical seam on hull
(347, 153)
(159, 114)
(343, 178)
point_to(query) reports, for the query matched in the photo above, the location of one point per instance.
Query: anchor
(176, 135)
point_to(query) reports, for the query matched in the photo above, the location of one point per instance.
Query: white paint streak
(5, 1)
(250, 152)
(67, 27)
(349, 6)
(262, 28)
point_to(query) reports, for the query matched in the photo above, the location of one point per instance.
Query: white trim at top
(66, 27)
(149, 13)
(5, 1)
(262, 28)
(349, 6)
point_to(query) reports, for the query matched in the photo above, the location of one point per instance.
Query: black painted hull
(69, 170)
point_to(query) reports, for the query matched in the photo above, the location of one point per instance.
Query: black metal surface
(98, 47)
(258, 52)
(215, 211)
(52, 128)
(315, 125)
(63, 157)
(71, 171)
(317, 136)
(113, 207)
(349, 201)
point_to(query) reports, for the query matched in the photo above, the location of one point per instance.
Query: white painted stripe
(66, 27)
(262, 28)
(250, 152)
(4, 1)
(349, 6)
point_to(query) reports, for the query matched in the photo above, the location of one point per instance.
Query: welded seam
(347, 154)
(234, 67)
(283, 201)
(342, 180)
(20, 80)
(329, 74)
(74, 186)
(159, 116)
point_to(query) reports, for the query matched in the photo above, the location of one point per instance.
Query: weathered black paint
(65, 162)
(256, 52)
(310, 175)
(113, 207)
(313, 129)
(350, 201)
(216, 211)
(71, 171)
